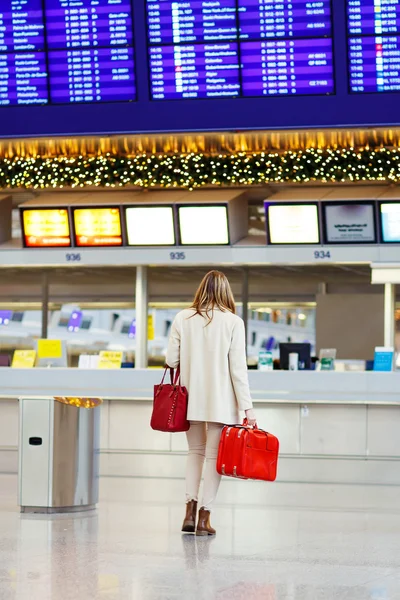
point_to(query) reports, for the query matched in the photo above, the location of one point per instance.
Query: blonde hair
(213, 292)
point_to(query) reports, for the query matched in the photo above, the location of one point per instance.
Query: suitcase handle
(246, 424)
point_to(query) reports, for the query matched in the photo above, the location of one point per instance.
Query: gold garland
(197, 170)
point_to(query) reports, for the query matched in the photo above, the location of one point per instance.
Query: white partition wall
(332, 427)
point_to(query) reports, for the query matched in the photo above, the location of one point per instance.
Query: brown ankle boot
(203, 525)
(189, 524)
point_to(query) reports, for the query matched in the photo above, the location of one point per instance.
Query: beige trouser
(203, 439)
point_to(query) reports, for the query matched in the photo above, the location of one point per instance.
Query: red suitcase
(247, 453)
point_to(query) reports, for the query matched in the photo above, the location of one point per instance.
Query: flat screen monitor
(86, 323)
(150, 225)
(45, 228)
(292, 223)
(390, 221)
(302, 349)
(17, 317)
(97, 226)
(349, 222)
(203, 225)
(63, 320)
(125, 328)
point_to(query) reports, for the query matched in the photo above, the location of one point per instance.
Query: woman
(208, 341)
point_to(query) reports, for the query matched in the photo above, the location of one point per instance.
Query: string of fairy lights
(195, 170)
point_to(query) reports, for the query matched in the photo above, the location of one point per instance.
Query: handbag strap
(177, 380)
(171, 373)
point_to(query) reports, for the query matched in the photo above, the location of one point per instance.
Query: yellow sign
(150, 328)
(24, 359)
(98, 226)
(46, 227)
(109, 359)
(49, 348)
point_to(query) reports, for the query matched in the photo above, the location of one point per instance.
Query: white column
(389, 314)
(45, 305)
(141, 302)
(245, 303)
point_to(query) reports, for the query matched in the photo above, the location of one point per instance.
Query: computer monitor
(303, 350)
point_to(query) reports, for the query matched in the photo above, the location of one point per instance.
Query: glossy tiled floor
(278, 542)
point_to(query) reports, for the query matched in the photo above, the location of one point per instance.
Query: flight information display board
(371, 17)
(374, 45)
(292, 223)
(287, 67)
(284, 18)
(45, 227)
(23, 78)
(97, 226)
(331, 63)
(91, 75)
(390, 221)
(191, 21)
(88, 23)
(228, 48)
(198, 71)
(83, 54)
(21, 25)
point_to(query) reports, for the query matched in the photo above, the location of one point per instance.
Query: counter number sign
(177, 256)
(322, 255)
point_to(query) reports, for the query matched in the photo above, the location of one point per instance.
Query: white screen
(204, 225)
(150, 226)
(350, 223)
(390, 221)
(293, 224)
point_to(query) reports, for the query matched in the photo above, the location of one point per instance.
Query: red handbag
(170, 405)
(247, 453)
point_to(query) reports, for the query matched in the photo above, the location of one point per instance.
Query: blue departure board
(23, 79)
(88, 23)
(373, 17)
(285, 18)
(21, 25)
(191, 21)
(373, 27)
(233, 56)
(91, 75)
(229, 48)
(197, 71)
(66, 51)
(287, 67)
(374, 64)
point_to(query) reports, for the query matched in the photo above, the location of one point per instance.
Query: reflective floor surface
(274, 542)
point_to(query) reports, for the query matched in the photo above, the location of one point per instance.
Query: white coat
(213, 364)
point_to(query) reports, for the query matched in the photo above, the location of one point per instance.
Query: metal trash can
(58, 454)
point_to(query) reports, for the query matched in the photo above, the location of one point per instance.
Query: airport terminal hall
(199, 299)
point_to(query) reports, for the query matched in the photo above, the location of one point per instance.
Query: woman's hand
(251, 417)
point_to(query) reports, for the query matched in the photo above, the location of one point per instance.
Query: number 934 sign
(322, 255)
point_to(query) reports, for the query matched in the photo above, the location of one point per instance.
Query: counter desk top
(275, 387)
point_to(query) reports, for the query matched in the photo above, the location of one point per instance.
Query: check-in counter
(333, 427)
